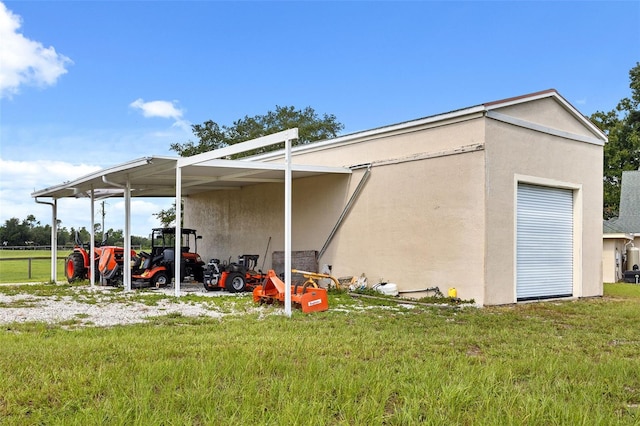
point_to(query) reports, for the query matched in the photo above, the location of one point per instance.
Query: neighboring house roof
(629, 219)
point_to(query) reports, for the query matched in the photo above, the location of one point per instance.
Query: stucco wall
(549, 113)
(537, 157)
(418, 223)
(251, 220)
(432, 212)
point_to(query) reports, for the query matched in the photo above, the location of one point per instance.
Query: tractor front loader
(109, 262)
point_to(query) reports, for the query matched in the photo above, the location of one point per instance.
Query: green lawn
(17, 271)
(360, 363)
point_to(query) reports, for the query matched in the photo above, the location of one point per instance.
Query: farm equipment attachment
(312, 278)
(308, 296)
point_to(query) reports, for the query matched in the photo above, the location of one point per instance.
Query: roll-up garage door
(544, 242)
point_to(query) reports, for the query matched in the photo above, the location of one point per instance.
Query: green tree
(311, 127)
(622, 152)
(168, 217)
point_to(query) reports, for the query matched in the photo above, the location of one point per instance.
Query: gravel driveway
(106, 306)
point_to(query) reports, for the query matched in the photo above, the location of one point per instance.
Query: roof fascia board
(544, 129)
(238, 148)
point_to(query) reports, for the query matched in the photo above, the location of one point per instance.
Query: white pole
(287, 228)
(126, 269)
(92, 264)
(54, 241)
(178, 253)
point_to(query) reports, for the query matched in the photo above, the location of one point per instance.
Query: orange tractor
(109, 262)
(233, 277)
(156, 269)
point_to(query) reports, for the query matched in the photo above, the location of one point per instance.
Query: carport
(184, 176)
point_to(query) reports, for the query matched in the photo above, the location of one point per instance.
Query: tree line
(30, 232)
(622, 151)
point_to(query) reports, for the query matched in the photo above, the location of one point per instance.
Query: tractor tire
(74, 268)
(235, 283)
(160, 279)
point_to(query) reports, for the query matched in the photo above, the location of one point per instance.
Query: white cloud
(18, 179)
(24, 61)
(161, 109)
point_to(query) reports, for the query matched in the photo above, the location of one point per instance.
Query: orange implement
(308, 297)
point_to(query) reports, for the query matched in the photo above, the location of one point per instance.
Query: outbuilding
(500, 200)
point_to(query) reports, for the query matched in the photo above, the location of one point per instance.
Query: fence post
(29, 268)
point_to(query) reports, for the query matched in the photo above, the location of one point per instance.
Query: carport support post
(178, 236)
(54, 241)
(92, 267)
(126, 264)
(287, 227)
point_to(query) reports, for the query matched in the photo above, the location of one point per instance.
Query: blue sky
(89, 84)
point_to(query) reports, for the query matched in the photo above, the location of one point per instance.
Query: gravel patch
(103, 307)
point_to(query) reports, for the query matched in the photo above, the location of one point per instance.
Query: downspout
(347, 208)
(54, 237)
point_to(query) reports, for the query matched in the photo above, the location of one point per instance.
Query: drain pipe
(346, 209)
(54, 237)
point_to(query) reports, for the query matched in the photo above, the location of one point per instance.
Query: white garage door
(544, 242)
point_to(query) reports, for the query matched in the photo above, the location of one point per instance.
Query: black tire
(74, 267)
(235, 283)
(160, 279)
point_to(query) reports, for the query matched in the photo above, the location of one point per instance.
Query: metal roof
(156, 177)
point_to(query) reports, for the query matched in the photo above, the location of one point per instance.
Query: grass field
(17, 271)
(360, 363)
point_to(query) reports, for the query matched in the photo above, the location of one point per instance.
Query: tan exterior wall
(515, 153)
(549, 113)
(418, 223)
(251, 220)
(433, 212)
(428, 139)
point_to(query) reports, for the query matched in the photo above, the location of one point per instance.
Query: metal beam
(240, 147)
